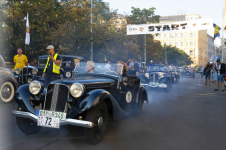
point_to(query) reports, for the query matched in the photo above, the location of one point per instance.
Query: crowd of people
(216, 71)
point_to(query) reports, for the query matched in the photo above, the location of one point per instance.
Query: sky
(204, 8)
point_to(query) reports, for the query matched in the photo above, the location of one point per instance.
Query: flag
(216, 31)
(27, 39)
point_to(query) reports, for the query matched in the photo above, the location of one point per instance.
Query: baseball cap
(151, 61)
(218, 60)
(50, 47)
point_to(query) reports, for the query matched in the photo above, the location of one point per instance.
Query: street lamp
(203, 55)
(91, 30)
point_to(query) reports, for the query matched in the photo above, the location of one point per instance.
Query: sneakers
(216, 90)
(223, 91)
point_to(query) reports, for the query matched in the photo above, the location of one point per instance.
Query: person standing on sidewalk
(52, 68)
(214, 69)
(207, 73)
(220, 75)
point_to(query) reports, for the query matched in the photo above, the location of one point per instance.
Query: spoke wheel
(99, 116)
(7, 92)
(27, 126)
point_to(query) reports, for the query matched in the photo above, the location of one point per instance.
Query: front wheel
(99, 116)
(167, 89)
(7, 92)
(27, 126)
(138, 107)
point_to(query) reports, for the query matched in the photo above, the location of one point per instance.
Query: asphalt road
(189, 117)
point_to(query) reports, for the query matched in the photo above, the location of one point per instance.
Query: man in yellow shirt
(20, 59)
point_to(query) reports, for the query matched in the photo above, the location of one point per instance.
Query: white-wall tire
(7, 92)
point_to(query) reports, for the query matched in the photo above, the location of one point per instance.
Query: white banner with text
(200, 24)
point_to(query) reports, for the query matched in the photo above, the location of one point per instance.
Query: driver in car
(165, 69)
(90, 66)
(122, 68)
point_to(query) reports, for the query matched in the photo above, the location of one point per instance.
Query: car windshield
(98, 68)
(42, 62)
(159, 68)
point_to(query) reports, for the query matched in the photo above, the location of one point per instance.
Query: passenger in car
(122, 68)
(90, 66)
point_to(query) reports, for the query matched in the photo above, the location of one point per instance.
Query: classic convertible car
(158, 77)
(8, 83)
(85, 99)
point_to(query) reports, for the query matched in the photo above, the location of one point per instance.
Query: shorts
(207, 76)
(220, 77)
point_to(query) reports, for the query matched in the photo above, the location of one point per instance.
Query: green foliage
(66, 25)
(177, 57)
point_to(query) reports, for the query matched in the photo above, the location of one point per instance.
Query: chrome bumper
(74, 122)
(155, 85)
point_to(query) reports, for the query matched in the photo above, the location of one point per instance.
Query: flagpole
(222, 40)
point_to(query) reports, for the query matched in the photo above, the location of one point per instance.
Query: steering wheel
(111, 72)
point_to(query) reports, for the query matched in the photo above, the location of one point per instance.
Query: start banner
(200, 24)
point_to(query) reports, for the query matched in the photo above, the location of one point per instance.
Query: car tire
(7, 91)
(138, 108)
(27, 126)
(99, 116)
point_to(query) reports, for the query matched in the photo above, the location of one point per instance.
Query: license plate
(49, 118)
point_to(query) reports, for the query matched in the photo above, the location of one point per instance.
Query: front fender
(11, 79)
(94, 98)
(22, 98)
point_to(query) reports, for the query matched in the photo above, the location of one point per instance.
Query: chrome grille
(56, 97)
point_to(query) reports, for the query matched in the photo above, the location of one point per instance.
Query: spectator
(220, 76)
(151, 65)
(20, 59)
(201, 69)
(137, 69)
(131, 68)
(160, 64)
(207, 70)
(214, 70)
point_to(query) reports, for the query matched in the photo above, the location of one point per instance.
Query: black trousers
(49, 78)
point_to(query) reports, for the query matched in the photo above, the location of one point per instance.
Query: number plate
(49, 118)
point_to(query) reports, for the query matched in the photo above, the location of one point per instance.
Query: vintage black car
(31, 73)
(86, 100)
(158, 77)
(175, 74)
(188, 72)
(8, 83)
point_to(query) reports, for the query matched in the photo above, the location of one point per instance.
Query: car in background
(188, 72)
(8, 82)
(159, 77)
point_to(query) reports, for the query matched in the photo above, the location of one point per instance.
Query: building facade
(194, 43)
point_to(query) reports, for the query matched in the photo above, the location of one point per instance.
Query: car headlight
(17, 71)
(76, 90)
(147, 75)
(35, 87)
(161, 76)
(34, 71)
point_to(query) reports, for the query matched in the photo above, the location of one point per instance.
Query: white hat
(151, 61)
(50, 47)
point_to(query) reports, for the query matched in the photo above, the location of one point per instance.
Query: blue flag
(216, 31)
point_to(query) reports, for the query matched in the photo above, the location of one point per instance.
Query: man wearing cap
(52, 68)
(151, 66)
(220, 75)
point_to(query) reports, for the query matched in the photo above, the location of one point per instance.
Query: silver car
(8, 83)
